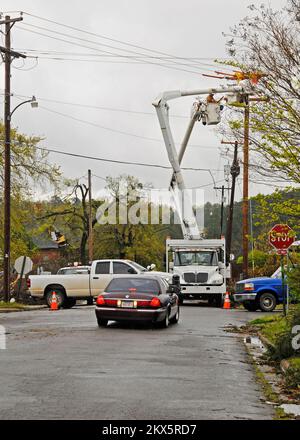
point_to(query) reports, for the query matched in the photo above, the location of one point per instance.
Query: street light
(7, 190)
(33, 102)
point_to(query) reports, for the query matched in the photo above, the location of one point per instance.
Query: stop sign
(281, 237)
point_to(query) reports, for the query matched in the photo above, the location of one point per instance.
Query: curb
(23, 309)
(266, 341)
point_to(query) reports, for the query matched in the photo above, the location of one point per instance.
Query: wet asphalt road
(60, 365)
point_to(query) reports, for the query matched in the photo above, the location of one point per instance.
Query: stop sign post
(281, 237)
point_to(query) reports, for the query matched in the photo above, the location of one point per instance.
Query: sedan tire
(165, 322)
(102, 322)
(175, 318)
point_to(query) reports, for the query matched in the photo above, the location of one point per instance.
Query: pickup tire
(60, 295)
(267, 302)
(69, 303)
(251, 306)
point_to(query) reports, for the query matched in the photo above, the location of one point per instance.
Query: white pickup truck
(70, 287)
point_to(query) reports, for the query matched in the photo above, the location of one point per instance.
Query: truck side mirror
(132, 271)
(176, 280)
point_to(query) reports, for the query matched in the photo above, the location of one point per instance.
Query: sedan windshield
(192, 258)
(125, 284)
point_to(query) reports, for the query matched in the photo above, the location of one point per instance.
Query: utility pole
(8, 56)
(234, 171)
(222, 188)
(245, 207)
(222, 211)
(90, 217)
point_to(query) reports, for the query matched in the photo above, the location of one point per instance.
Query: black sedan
(138, 298)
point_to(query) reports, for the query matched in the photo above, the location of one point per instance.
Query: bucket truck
(200, 262)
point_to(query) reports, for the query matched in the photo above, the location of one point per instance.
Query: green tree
(267, 41)
(29, 166)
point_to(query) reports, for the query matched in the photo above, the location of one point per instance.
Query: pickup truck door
(123, 268)
(100, 276)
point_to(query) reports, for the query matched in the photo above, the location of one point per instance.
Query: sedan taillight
(155, 302)
(28, 282)
(100, 300)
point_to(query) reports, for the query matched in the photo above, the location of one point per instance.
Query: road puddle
(254, 341)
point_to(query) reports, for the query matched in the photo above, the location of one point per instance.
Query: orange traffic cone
(226, 304)
(54, 303)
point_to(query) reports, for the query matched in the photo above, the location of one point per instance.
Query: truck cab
(201, 267)
(262, 293)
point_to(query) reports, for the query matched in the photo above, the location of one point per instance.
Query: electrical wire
(98, 50)
(65, 153)
(113, 130)
(165, 167)
(135, 46)
(135, 112)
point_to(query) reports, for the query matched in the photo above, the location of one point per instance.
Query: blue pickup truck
(260, 293)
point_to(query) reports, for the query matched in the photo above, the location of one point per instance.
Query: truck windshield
(138, 266)
(193, 258)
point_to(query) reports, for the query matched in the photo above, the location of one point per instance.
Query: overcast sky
(190, 29)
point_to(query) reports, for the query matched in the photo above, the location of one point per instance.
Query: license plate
(128, 304)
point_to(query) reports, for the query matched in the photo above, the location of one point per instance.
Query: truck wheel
(102, 322)
(219, 300)
(267, 302)
(60, 295)
(251, 306)
(69, 303)
(90, 301)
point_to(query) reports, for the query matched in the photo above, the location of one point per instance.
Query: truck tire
(90, 301)
(267, 302)
(60, 295)
(251, 306)
(219, 300)
(69, 303)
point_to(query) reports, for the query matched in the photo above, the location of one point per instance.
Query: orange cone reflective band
(54, 304)
(226, 301)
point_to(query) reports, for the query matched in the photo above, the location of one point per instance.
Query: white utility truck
(199, 262)
(85, 286)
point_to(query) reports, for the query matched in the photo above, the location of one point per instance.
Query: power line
(103, 36)
(65, 153)
(56, 52)
(108, 128)
(51, 150)
(98, 107)
(99, 50)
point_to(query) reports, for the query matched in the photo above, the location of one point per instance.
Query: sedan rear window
(124, 284)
